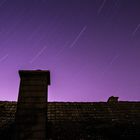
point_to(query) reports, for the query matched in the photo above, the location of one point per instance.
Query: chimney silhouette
(31, 114)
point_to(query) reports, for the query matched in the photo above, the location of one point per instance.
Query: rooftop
(121, 119)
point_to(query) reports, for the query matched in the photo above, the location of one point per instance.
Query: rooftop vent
(113, 99)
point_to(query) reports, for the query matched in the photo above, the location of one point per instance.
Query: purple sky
(91, 47)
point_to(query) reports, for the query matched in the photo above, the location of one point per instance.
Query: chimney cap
(27, 73)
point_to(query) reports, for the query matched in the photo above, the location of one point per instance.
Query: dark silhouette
(112, 99)
(33, 118)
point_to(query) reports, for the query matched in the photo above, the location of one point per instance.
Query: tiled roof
(76, 111)
(80, 111)
(84, 117)
(7, 113)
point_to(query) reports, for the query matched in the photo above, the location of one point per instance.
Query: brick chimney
(31, 114)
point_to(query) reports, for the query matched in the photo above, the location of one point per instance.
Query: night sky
(91, 47)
